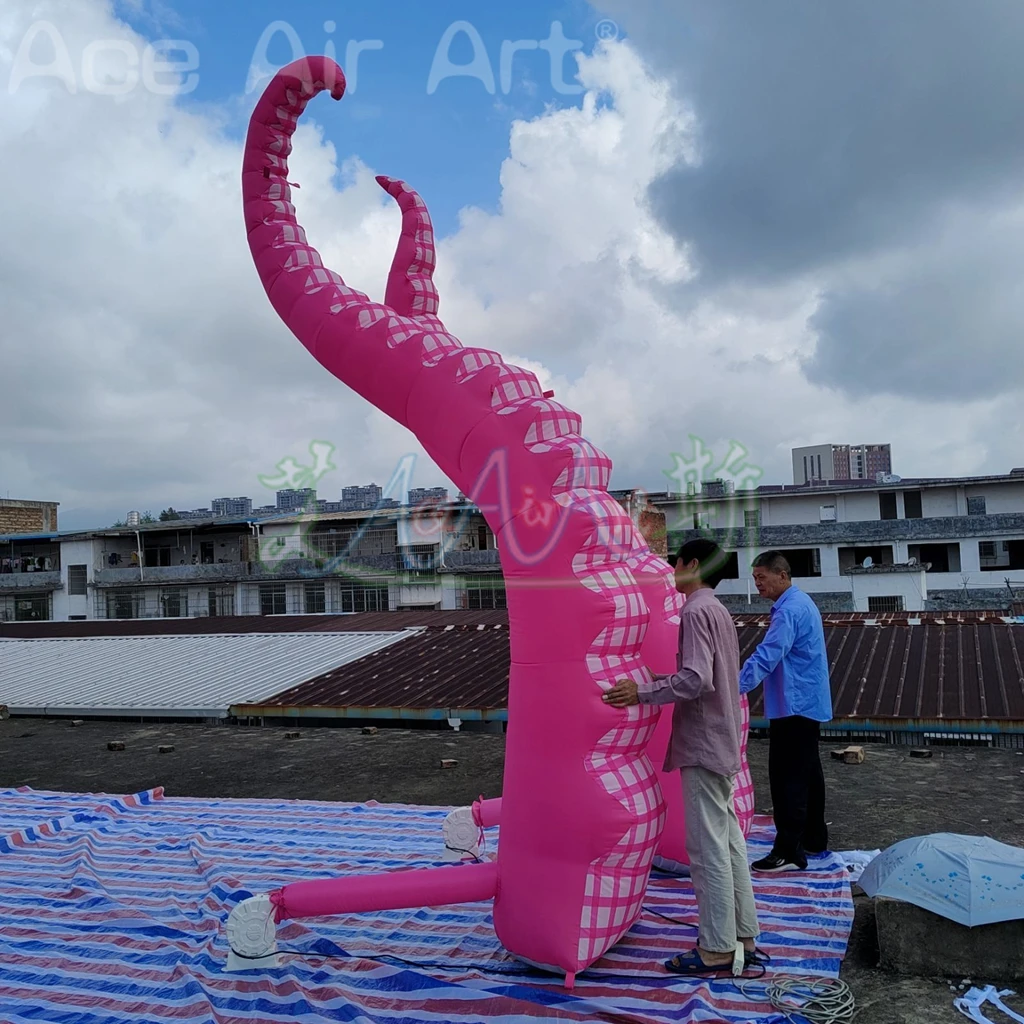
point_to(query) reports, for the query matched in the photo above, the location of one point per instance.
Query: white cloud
(145, 367)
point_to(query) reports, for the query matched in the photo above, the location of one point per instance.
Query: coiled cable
(817, 1000)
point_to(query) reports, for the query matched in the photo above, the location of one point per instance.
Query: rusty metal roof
(455, 668)
(761, 618)
(359, 622)
(936, 670)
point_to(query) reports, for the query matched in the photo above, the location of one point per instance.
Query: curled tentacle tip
(333, 77)
(393, 186)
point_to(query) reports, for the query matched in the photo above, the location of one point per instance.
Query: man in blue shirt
(792, 663)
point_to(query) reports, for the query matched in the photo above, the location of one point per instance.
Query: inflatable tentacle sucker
(582, 810)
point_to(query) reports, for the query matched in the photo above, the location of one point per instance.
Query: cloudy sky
(771, 224)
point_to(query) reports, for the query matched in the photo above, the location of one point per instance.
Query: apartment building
(425, 495)
(443, 557)
(240, 506)
(913, 545)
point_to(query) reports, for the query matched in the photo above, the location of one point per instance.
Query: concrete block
(369, 730)
(76, 722)
(916, 942)
(166, 748)
(921, 752)
(849, 755)
(293, 734)
(448, 762)
(115, 745)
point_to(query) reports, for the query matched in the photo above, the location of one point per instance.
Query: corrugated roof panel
(170, 675)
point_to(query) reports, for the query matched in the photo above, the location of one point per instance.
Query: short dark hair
(711, 558)
(773, 561)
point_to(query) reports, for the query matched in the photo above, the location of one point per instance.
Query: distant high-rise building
(822, 463)
(425, 495)
(232, 506)
(358, 499)
(292, 500)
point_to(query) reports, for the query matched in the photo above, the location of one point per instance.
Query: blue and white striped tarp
(112, 910)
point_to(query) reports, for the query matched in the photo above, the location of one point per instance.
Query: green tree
(168, 514)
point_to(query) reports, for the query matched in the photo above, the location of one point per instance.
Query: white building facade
(911, 545)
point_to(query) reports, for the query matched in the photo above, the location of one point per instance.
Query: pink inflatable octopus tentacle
(411, 291)
(582, 810)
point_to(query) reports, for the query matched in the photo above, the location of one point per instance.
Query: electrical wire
(816, 1000)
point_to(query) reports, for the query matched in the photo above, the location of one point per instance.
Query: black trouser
(798, 788)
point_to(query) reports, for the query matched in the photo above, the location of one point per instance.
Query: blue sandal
(691, 964)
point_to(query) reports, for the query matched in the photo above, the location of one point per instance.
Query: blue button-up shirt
(792, 661)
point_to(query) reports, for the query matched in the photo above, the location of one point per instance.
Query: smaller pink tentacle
(411, 290)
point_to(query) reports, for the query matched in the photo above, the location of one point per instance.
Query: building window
(803, 562)
(887, 505)
(31, 607)
(483, 592)
(78, 580)
(419, 558)
(316, 598)
(912, 505)
(221, 601)
(752, 519)
(886, 604)
(155, 558)
(1000, 555)
(174, 604)
(273, 599)
(976, 506)
(941, 557)
(124, 604)
(827, 513)
(358, 597)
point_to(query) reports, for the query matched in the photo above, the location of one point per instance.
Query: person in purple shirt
(792, 663)
(707, 724)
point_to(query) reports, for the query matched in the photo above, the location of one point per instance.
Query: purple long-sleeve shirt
(707, 722)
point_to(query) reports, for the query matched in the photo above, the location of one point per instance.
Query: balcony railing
(455, 560)
(24, 581)
(229, 572)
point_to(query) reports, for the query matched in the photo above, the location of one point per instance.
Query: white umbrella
(972, 880)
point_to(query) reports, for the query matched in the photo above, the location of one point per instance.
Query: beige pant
(718, 862)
